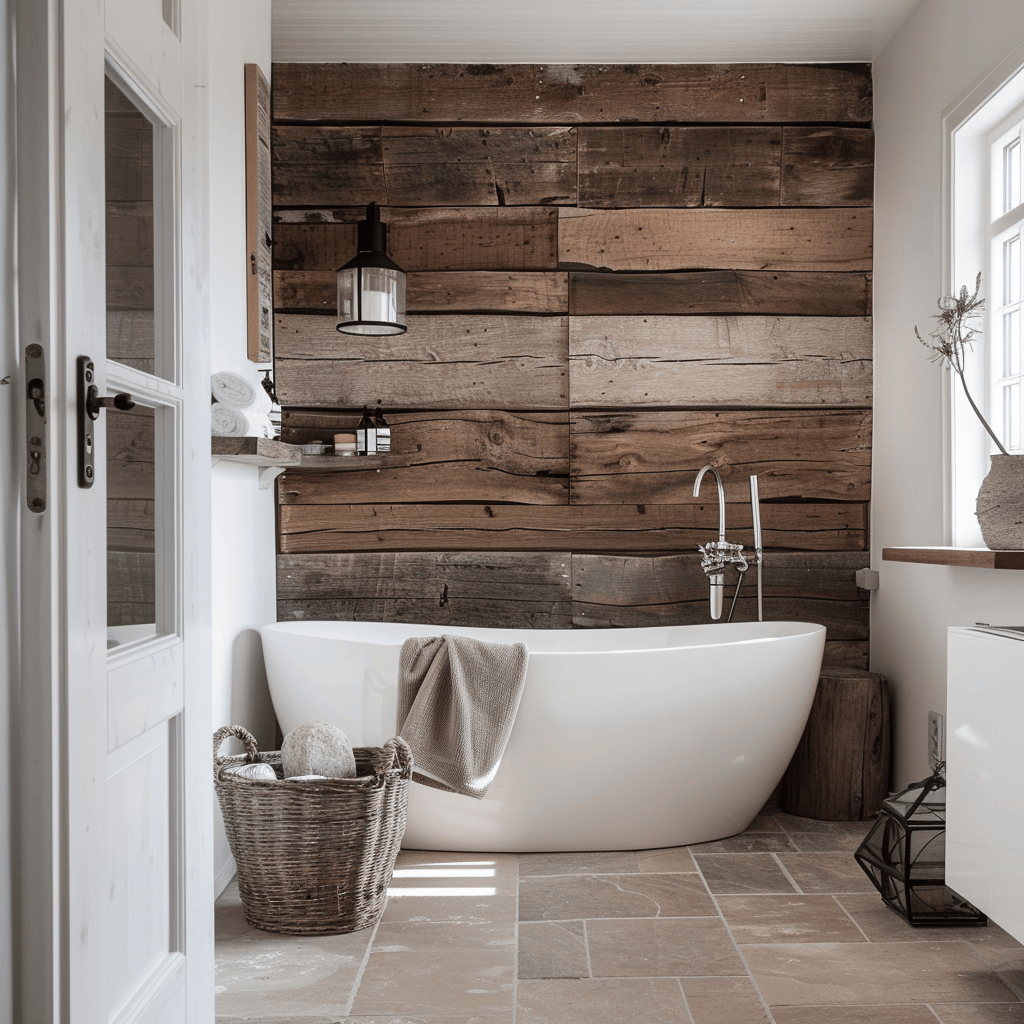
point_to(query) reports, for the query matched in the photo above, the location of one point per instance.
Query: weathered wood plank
(845, 654)
(526, 590)
(610, 590)
(572, 94)
(129, 234)
(779, 293)
(631, 166)
(444, 362)
(700, 361)
(314, 166)
(131, 524)
(131, 587)
(130, 453)
(130, 288)
(828, 166)
(130, 337)
(479, 291)
(765, 239)
(653, 458)
(605, 528)
(477, 455)
(482, 238)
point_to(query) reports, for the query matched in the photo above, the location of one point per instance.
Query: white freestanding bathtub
(625, 738)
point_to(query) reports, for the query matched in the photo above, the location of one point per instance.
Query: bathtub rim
(797, 628)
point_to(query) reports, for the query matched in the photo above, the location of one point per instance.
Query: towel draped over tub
(457, 701)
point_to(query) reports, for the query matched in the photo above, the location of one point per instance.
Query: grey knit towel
(457, 700)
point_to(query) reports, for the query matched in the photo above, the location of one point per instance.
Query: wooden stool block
(840, 771)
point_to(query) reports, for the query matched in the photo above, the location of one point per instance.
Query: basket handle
(252, 753)
(401, 755)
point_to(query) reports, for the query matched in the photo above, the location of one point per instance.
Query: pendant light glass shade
(371, 287)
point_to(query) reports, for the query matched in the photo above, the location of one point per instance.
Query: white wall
(8, 506)
(244, 595)
(933, 59)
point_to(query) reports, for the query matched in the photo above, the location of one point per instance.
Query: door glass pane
(131, 524)
(139, 318)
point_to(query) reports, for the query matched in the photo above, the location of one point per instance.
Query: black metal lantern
(904, 855)
(371, 288)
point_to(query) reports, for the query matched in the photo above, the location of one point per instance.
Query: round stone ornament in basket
(314, 857)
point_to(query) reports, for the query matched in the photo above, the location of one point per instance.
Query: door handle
(94, 405)
(35, 428)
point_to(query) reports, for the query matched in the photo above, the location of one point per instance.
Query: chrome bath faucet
(717, 554)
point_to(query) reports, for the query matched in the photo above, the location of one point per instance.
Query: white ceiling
(584, 31)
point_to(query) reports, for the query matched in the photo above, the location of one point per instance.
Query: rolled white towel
(234, 390)
(228, 422)
(259, 770)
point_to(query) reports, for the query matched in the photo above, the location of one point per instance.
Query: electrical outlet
(936, 737)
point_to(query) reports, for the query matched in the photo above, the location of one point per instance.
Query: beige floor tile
(793, 918)
(549, 949)
(577, 897)
(435, 983)
(742, 873)
(793, 823)
(826, 842)
(448, 906)
(764, 823)
(427, 869)
(404, 1018)
(602, 1001)
(462, 936)
(288, 974)
(826, 872)
(901, 1014)
(873, 972)
(602, 862)
(723, 1001)
(674, 858)
(748, 842)
(980, 1013)
(661, 947)
(881, 924)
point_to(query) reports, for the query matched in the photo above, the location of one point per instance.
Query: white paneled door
(115, 556)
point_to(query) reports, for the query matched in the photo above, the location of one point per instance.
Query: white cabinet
(985, 772)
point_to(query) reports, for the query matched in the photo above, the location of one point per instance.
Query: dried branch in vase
(954, 335)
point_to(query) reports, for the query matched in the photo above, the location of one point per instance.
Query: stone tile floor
(778, 924)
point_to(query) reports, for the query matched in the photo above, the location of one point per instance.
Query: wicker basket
(314, 858)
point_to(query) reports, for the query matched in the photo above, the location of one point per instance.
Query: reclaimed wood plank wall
(616, 275)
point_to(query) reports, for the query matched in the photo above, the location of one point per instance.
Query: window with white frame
(984, 232)
(1004, 290)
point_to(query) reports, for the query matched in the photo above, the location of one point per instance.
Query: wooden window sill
(977, 558)
(255, 451)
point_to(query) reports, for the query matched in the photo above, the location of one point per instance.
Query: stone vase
(1000, 507)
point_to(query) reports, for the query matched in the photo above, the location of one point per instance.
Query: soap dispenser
(383, 430)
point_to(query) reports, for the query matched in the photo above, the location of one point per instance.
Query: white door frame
(61, 737)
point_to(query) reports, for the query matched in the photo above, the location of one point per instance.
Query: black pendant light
(371, 288)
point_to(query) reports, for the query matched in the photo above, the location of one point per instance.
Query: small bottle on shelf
(383, 430)
(366, 435)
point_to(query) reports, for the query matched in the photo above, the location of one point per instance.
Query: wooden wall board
(522, 590)
(129, 332)
(617, 361)
(828, 166)
(428, 166)
(444, 362)
(259, 230)
(476, 455)
(846, 654)
(611, 590)
(498, 238)
(131, 584)
(630, 166)
(571, 94)
(756, 239)
(129, 234)
(480, 291)
(131, 524)
(688, 293)
(130, 288)
(653, 457)
(313, 527)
